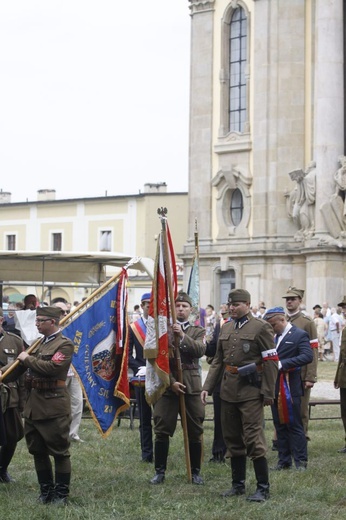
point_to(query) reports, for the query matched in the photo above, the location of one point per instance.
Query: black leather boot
(261, 471)
(45, 479)
(195, 449)
(62, 488)
(161, 454)
(6, 454)
(238, 465)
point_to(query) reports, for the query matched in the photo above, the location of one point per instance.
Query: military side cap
(275, 311)
(239, 295)
(293, 292)
(50, 312)
(146, 297)
(317, 307)
(341, 304)
(183, 297)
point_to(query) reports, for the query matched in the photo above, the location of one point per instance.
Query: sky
(94, 96)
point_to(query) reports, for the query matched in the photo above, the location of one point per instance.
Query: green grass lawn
(110, 482)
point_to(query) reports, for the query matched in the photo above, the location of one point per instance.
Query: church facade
(267, 165)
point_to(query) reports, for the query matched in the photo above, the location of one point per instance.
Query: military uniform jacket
(192, 348)
(340, 376)
(253, 342)
(10, 347)
(49, 362)
(300, 320)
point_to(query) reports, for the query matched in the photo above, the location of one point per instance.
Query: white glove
(141, 372)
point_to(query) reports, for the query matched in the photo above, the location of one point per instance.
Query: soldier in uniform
(192, 347)
(47, 411)
(12, 397)
(294, 298)
(246, 363)
(137, 363)
(340, 376)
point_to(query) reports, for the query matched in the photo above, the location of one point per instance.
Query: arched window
(237, 207)
(237, 68)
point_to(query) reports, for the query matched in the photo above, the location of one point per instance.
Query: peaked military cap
(239, 295)
(50, 312)
(183, 297)
(294, 292)
(146, 297)
(317, 307)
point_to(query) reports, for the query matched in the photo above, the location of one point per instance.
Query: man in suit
(219, 447)
(138, 330)
(340, 376)
(294, 351)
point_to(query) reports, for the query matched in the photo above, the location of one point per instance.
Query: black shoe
(275, 446)
(233, 492)
(280, 467)
(343, 450)
(302, 466)
(260, 495)
(5, 478)
(158, 478)
(197, 479)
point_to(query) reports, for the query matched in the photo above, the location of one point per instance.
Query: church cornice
(198, 6)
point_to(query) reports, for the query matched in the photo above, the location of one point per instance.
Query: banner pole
(162, 214)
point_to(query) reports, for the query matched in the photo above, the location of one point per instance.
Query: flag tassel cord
(176, 349)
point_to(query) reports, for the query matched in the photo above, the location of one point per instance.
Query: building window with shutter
(56, 241)
(106, 240)
(11, 242)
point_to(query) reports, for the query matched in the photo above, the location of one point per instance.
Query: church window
(237, 207)
(237, 70)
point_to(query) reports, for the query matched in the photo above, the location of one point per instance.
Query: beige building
(118, 224)
(267, 172)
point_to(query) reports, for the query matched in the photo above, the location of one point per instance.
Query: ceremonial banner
(158, 324)
(193, 288)
(100, 360)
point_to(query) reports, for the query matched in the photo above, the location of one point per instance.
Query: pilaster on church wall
(278, 84)
(200, 159)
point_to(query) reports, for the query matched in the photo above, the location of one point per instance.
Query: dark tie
(277, 337)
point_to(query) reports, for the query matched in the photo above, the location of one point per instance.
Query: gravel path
(321, 389)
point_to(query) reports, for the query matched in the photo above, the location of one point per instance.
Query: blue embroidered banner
(99, 334)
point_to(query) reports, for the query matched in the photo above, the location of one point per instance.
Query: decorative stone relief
(334, 211)
(301, 201)
(226, 182)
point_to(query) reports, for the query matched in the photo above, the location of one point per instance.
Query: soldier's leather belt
(189, 366)
(234, 370)
(46, 384)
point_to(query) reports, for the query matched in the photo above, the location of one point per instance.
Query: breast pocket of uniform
(246, 342)
(224, 336)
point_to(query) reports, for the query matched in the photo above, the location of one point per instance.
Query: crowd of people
(257, 357)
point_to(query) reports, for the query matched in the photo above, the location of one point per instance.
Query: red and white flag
(156, 346)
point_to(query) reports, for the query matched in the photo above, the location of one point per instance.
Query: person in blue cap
(137, 363)
(294, 351)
